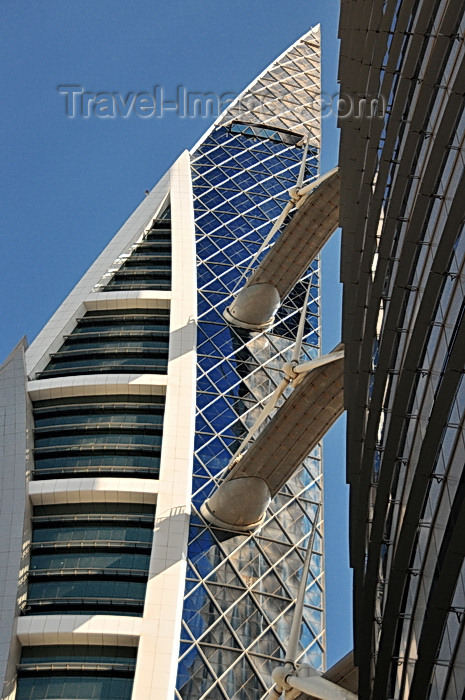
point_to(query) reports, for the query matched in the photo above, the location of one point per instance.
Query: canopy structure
(298, 425)
(315, 221)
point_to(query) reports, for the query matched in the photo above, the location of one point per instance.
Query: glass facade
(149, 264)
(116, 435)
(76, 672)
(89, 558)
(239, 589)
(129, 340)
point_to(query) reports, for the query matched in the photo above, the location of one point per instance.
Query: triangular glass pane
(246, 620)
(220, 659)
(244, 679)
(279, 501)
(224, 576)
(290, 572)
(272, 605)
(184, 647)
(265, 667)
(225, 596)
(274, 550)
(199, 681)
(270, 585)
(201, 181)
(202, 426)
(205, 554)
(268, 645)
(199, 612)
(220, 634)
(185, 665)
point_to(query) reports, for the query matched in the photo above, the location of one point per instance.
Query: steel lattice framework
(239, 589)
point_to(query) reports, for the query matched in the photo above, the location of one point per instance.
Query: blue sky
(67, 185)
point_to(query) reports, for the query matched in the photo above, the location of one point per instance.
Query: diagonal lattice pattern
(287, 94)
(239, 589)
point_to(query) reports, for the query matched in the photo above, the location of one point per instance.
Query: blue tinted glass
(252, 175)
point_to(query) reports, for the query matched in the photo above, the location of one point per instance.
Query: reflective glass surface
(76, 671)
(239, 589)
(113, 434)
(114, 341)
(88, 557)
(149, 264)
(79, 653)
(73, 686)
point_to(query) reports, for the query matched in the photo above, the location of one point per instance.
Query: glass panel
(87, 588)
(113, 434)
(75, 653)
(145, 268)
(62, 561)
(93, 532)
(89, 557)
(73, 686)
(114, 340)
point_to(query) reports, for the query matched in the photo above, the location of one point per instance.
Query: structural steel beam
(241, 500)
(303, 238)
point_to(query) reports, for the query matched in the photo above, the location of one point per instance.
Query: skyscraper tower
(121, 417)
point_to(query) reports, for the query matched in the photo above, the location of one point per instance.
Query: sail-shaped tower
(121, 417)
